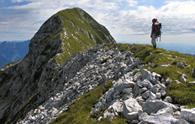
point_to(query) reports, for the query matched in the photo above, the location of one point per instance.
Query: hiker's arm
(151, 31)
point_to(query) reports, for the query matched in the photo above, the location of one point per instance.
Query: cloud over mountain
(20, 19)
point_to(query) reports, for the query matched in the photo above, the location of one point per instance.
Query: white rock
(117, 106)
(140, 100)
(158, 95)
(131, 109)
(168, 99)
(158, 119)
(188, 114)
(183, 78)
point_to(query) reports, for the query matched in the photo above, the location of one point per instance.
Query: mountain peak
(74, 30)
(63, 36)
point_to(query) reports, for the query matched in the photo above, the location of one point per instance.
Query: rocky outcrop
(50, 63)
(140, 97)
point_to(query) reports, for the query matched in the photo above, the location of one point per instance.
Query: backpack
(158, 29)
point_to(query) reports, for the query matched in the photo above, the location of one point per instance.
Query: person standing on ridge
(156, 32)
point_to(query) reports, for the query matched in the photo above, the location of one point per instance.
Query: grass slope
(80, 32)
(79, 111)
(164, 63)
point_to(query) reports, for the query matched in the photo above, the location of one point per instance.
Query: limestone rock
(153, 106)
(183, 78)
(188, 114)
(168, 99)
(131, 109)
(165, 118)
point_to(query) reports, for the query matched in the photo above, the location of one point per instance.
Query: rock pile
(140, 97)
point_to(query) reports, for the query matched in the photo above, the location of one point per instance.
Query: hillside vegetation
(166, 63)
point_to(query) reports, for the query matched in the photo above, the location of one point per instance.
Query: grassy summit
(67, 33)
(79, 32)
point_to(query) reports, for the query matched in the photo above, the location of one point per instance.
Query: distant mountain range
(188, 49)
(11, 51)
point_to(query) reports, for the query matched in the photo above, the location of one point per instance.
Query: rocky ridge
(103, 65)
(140, 97)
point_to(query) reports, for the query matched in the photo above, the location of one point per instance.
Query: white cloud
(121, 17)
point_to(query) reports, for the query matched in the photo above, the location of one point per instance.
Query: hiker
(156, 32)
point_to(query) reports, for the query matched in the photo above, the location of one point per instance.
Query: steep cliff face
(48, 65)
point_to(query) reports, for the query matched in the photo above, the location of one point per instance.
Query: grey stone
(158, 95)
(165, 118)
(147, 75)
(137, 76)
(183, 78)
(153, 106)
(131, 109)
(156, 88)
(168, 99)
(148, 95)
(145, 83)
(181, 64)
(142, 90)
(188, 114)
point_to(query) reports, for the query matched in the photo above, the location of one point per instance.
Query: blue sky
(127, 20)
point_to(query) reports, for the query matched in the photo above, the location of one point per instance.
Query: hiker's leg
(154, 41)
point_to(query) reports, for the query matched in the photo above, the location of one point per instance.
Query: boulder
(183, 78)
(131, 109)
(158, 95)
(122, 84)
(137, 76)
(156, 88)
(153, 106)
(114, 109)
(164, 118)
(145, 83)
(140, 100)
(188, 114)
(148, 95)
(147, 75)
(168, 99)
(157, 76)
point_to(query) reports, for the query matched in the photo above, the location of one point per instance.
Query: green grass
(153, 59)
(83, 33)
(79, 111)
